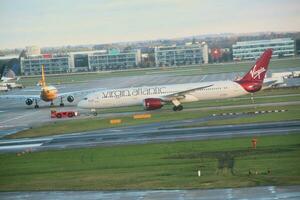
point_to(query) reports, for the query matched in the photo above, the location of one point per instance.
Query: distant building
(10, 62)
(80, 62)
(33, 50)
(54, 64)
(114, 60)
(189, 54)
(250, 50)
(205, 52)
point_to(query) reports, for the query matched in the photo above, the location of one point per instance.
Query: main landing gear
(36, 104)
(177, 108)
(177, 105)
(94, 112)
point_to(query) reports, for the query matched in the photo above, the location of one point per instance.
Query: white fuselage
(3, 87)
(135, 96)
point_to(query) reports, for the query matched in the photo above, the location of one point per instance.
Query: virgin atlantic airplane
(155, 97)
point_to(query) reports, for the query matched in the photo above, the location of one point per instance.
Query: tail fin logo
(256, 73)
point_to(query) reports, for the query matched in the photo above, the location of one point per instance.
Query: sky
(74, 22)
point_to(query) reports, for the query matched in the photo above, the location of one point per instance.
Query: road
(156, 132)
(251, 193)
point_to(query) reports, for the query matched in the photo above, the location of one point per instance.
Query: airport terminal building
(189, 54)
(114, 60)
(110, 60)
(250, 50)
(54, 64)
(102, 60)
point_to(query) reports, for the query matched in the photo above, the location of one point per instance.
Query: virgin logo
(256, 73)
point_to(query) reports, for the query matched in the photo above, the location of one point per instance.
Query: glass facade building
(114, 60)
(101, 60)
(250, 50)
(178, 55)
(54, 64)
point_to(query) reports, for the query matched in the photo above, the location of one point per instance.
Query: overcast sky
(72, 22)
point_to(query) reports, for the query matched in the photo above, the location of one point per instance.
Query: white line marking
(8, 141)
(20, 146)
(204, 77)
(19, 117)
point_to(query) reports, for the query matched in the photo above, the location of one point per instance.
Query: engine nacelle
(70, 98)
(153, 103)
(29, 102)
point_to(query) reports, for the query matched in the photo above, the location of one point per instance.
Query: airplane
(47, 94)
(8, 81)
(155, 97)
(3, 87)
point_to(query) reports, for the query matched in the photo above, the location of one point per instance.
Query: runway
(16, 115)
(150, 133)
(262, 193)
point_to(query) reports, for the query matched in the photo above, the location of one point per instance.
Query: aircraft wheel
(175, 108)
(36, 106)
(61, 105)
(179, 108)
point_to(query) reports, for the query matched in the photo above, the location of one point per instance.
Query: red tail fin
(253, 80)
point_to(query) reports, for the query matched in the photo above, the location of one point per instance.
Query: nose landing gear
(61, 102)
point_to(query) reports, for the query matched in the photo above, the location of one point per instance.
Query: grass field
(191, 70)
(73, 126)
(223, 163)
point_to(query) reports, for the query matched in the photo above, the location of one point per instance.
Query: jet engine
(153, 103)
(29, 102)
(70, 98)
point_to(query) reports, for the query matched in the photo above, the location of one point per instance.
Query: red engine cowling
(153, 103)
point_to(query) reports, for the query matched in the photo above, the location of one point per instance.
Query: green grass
(277, 91)
(190, 70)
(293, 113)
(157, 166)
(73, 126)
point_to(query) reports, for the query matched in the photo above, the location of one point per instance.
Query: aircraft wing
(272, 82)
(80, 92)
(20, 97)
(181, 94)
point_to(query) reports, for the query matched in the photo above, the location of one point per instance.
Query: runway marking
(204, 77)
(20, 146)
(1, 111)
(19, 117)
(6, 126)
(115, 130)
(9, 141)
